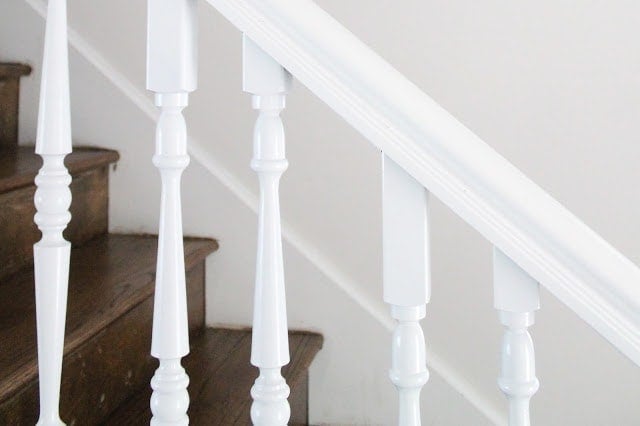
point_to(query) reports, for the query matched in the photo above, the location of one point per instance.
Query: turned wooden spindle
(52, 200)
(268, 82)
(406, 278)
(516, 297)
(172, 75)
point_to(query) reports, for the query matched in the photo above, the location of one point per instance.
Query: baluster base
(50, 422)
(270, 392)
(170, 399)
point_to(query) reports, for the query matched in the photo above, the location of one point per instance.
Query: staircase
(124, 296)
(107, 366)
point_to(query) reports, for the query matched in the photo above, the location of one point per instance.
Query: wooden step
(89, 208)
(221, 378)
(10, 74)
(108, 331)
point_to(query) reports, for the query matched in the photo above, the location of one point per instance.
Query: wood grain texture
(10, 74)
(221, 378)
(196, 300)
(89, 218)
(106, 370)
(109, 276)
(19, 166)
(89, 207)
(13, 70)
(299, 402)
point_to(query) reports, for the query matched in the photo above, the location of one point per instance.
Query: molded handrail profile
(513, 213)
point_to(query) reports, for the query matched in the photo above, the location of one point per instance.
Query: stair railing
(52, 200)
(536, 240)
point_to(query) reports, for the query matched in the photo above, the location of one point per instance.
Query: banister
(513, 213)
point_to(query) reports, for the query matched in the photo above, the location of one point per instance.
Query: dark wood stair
(221, 378)
(108, 332)
(89, 168)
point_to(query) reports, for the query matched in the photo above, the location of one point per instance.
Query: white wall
(551, 86)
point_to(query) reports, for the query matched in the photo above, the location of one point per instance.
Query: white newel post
(406, 276)
(516, 297)
(268, 82)
(171, 74)
(52, 200)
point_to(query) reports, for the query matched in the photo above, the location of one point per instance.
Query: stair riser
(107, 369)
(89, 210)
(299, 402)
(10, 75)
(9, 100)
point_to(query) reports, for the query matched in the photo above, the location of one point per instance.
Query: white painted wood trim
(516, 296)
(51, 255)
(170, 335)
(345, 283)
(517, 216)
(406, 283)
(171, 74)
(269, 84)
(406, 261)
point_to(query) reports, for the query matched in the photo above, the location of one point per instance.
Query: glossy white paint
(522, 220)
(52, 200)
(406, 283)
(170, 339)
(405, 233)
(408, 371)
(172, 48)
(171, 59)
(268, 82)
(516, 297)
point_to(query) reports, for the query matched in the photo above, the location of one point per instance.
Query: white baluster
(269, 83)
(516, 296)
(406, 283)
(52, 200)
(171, 73)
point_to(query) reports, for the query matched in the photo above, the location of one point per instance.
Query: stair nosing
(14, 70)
(103, 157)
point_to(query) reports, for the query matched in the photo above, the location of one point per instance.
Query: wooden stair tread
(221, 378)
(19, 166)
(109, 276)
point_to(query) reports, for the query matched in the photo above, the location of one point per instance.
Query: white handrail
(516, 215)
